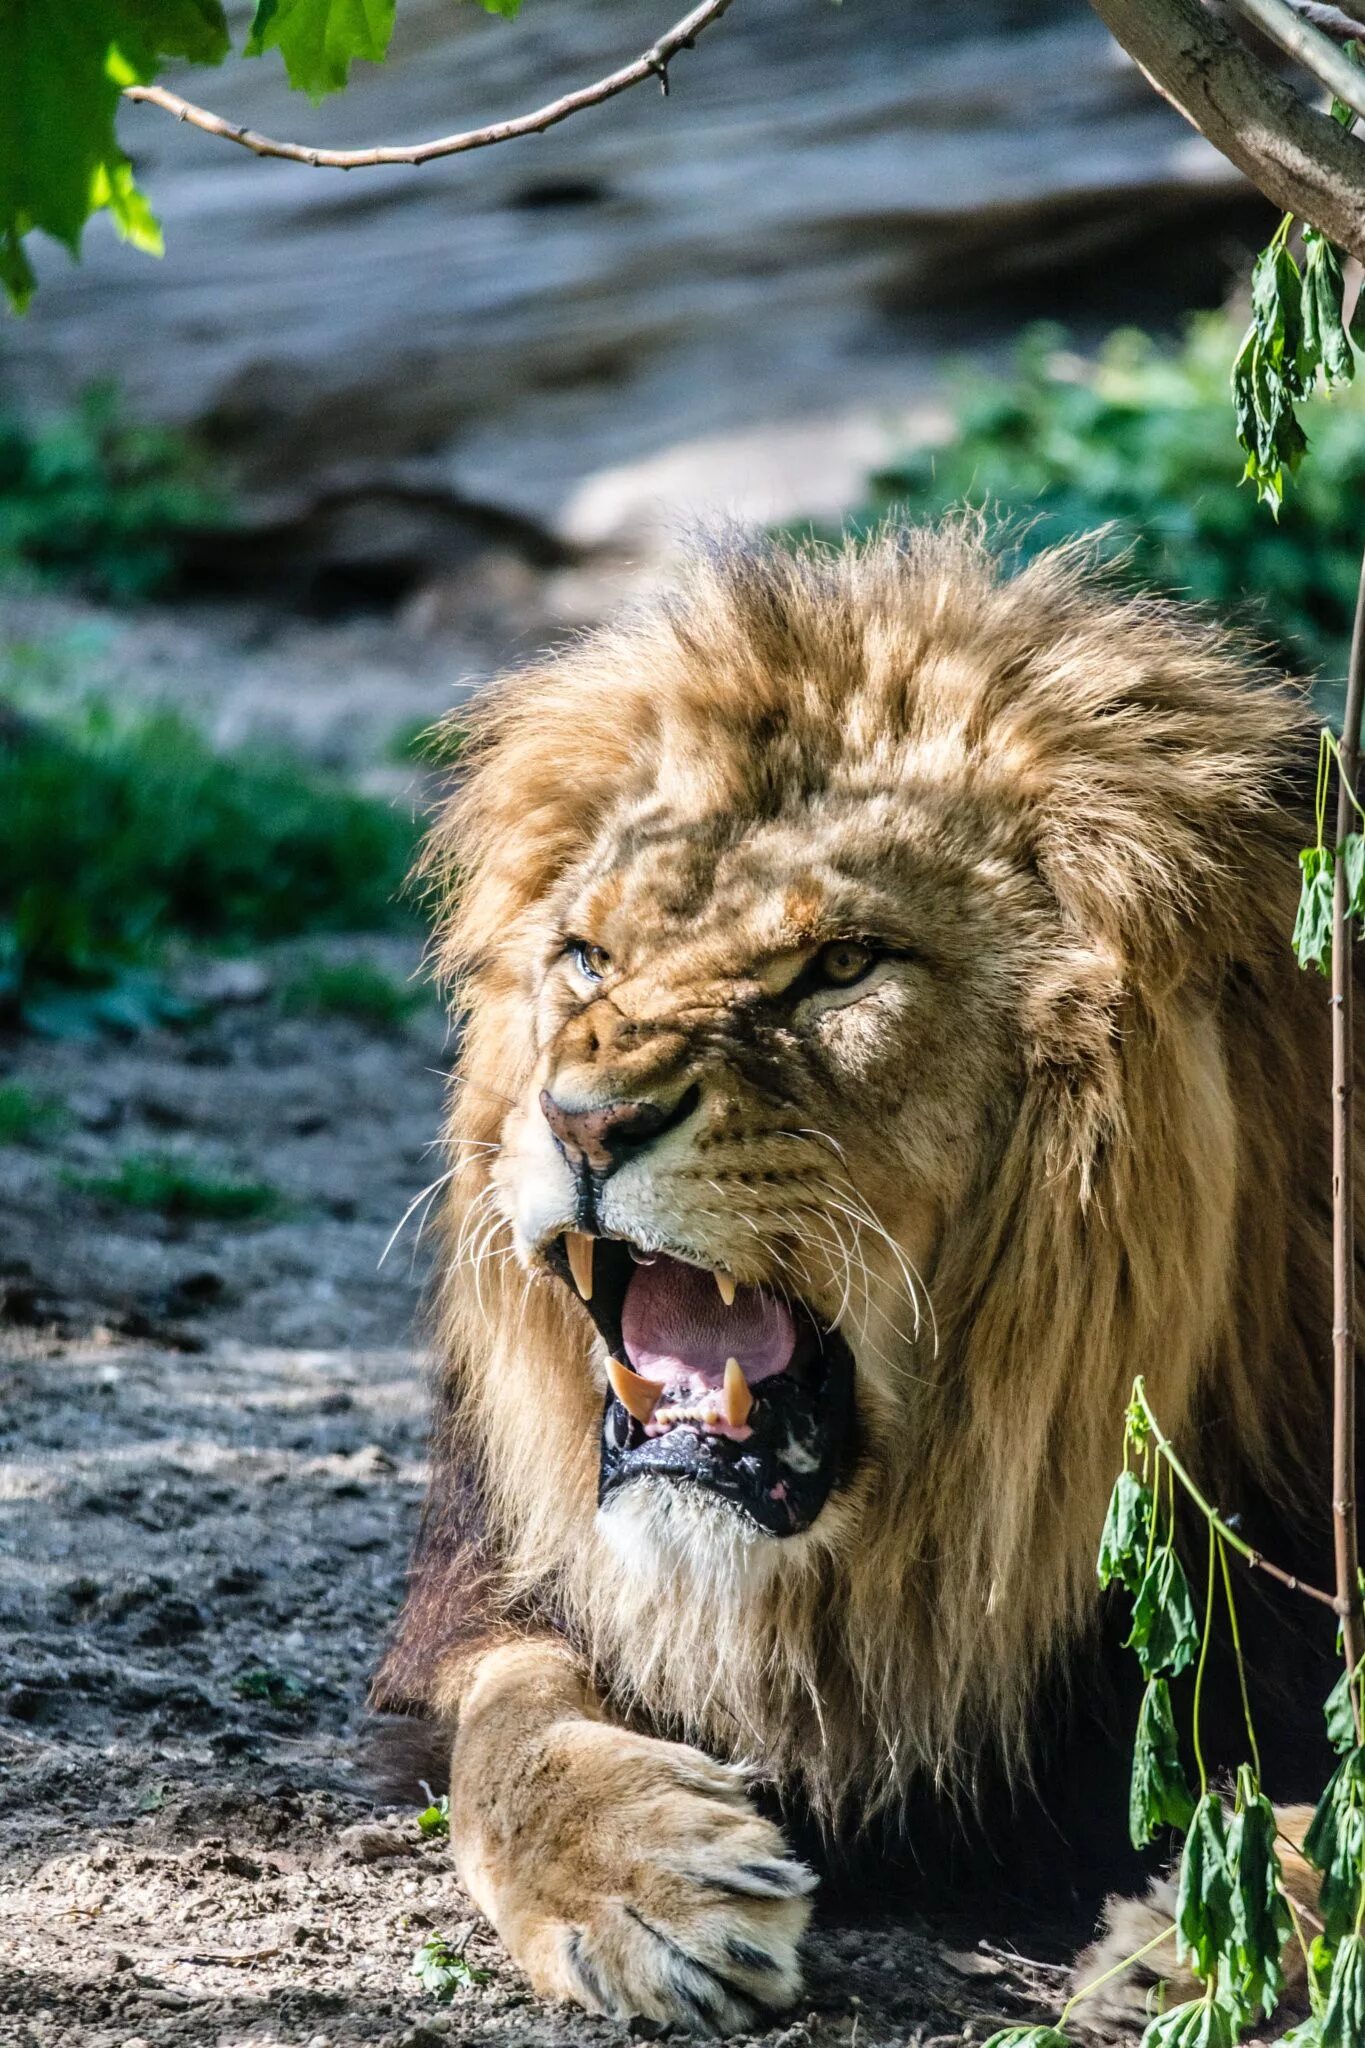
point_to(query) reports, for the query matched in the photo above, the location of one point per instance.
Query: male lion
(882, 1042)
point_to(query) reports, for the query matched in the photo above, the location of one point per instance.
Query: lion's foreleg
(628, 1874)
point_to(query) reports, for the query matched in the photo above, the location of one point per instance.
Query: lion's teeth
(579, 1248)
(637, 1396)
(738, 1400)
(725, 1288)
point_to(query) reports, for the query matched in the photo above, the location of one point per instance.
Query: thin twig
(1293, 29)
(1343, 1185)
(1244, 1550)
(652, 63)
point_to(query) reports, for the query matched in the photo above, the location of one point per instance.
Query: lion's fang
(738, 1400)
(637, 1396)
(725, 1287)
(579, 1248)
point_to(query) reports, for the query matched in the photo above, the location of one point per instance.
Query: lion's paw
(635, 1878)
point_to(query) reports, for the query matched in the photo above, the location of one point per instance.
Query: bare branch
(652, 63)
(1305, 162)
(1290, 27)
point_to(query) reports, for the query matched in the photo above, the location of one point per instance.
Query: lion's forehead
(834, 862)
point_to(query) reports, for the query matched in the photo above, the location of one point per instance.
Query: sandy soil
(210, 1469)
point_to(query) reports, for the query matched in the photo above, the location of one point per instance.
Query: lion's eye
(592, 962)
(844, 961)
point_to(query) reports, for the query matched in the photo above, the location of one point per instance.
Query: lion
(881, 1042)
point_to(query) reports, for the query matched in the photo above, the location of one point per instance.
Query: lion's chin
(771, 1463)
(687, 1537)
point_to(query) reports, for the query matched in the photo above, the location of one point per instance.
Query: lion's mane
(1156, 1204)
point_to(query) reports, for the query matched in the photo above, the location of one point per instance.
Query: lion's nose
(602, 1138)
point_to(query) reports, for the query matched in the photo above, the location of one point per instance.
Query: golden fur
(1077, 1133)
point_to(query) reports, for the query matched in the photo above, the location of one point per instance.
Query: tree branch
(1305, 162)
(652, 63)
(1292, 27)
(1342, 28)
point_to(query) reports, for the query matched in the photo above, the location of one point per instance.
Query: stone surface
(829, 197)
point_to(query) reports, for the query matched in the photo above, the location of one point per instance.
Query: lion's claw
(638, 1880)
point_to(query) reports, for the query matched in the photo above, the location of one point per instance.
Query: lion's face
(772, 1056)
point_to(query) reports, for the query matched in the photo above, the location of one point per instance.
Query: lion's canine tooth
(637, 1396)
(725, 1288)
(579, 1248)
(738, 1400)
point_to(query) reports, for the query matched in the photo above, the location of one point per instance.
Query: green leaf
(1204, 1915)
(435, 1819)
(1341, 1727)
(1204, 2024)
(1159, 1795)
(1326, 345)
(508, 9)
(318, 39)
(1165, 1632)
(1313, 922)
(1261, 1923)
(1343, 2021)
(442, 1970)
(1351, 854)
(1126, 1538)
(1335, 1844)
(63, 65)
(1029, 2037)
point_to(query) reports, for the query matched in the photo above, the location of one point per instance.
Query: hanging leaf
(319, 39)
(1204, 1920)
(1343, 2019)
(1313, 924)
(1326, 345)
(1127, 1534)
(1159, 1795)
(1204, 2024)
(1341, 1727)
(1351, 854)
(1261, 1923)
(1335, 1844)
(63, 64)
(1165, 1632)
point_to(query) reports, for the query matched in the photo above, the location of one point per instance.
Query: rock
(422, 362)
(225, 981)
(372, 1841)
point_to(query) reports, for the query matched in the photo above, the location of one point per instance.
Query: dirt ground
(210, 1470)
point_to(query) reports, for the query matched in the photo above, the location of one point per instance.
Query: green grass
(357, 989)
(120, 832)
(180, 1188)
(272, 1689)
(1141, 435)
(24, 1116)
(89, 498)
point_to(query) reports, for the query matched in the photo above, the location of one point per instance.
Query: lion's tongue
(677, 1329)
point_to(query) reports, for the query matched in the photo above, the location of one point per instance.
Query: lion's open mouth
(725, 1386)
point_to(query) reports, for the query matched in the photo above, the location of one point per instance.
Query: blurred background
(269, 508)
(273, 505)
